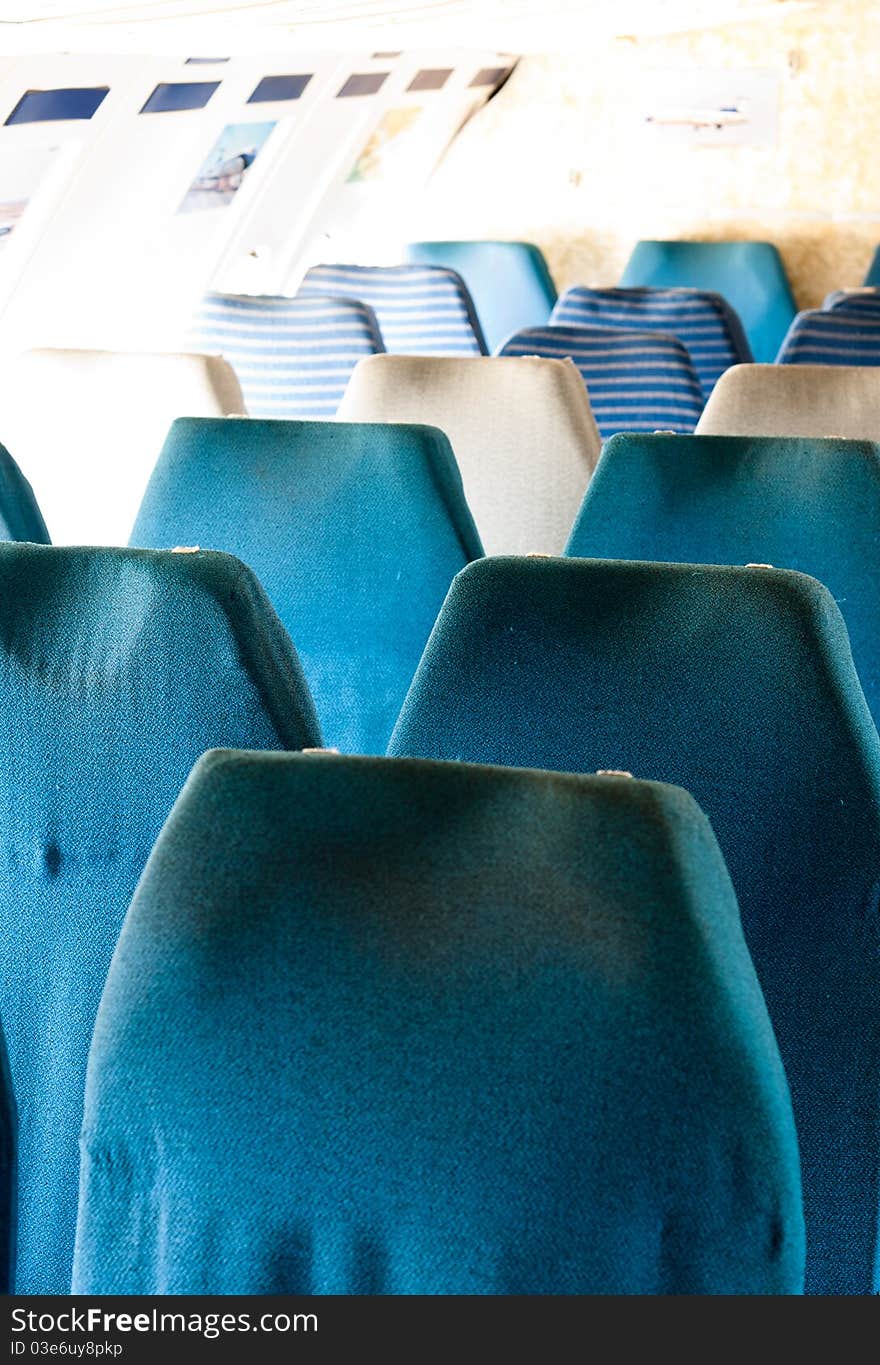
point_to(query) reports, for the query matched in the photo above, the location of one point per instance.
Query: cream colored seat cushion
(521, 428)
(86, 428)
(795, 400)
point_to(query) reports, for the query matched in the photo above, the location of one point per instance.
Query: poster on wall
(378, 153)
(223, 172)
(21, 172)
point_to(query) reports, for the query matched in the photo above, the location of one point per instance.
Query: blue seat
(810, 505)
(8, 1126)
(293, 357)
(509, 282)
(636, 381)
(873, 275)
(354, 529)
(20, 517)
(702, 322)
(749, 275)
(852, 300)
(118, 669)
(457, 1031)
(738, 684)
(840, 336)
(422, 309)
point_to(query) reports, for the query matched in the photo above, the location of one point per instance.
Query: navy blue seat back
(509, 282)
(703, 322)
(20, 517)
(427, 1029)
(852, 300)
(422, 309)
(738, 684)
(749, 275)
(118, 669)
(355, 531)
(811, 505)
(292, 357)
(839, 336)
(636, 381)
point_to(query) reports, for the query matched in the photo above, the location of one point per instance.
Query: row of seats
(523, 430)
(650, 356)
(122, 666)
(507, 678)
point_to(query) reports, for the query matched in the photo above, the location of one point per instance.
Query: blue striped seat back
(852, 300)
(510, 282)
(704, 322)
(422, 309)
(842, 336)
(293, 357)
(637, 381)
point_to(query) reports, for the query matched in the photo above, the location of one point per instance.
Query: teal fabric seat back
(750, 275)
(8, 1125)
(873, 276)
(20, 517)
(509, 282)
(737, 684)
(354, 529)
(118, 669)
(457, 1031)
(811, 505)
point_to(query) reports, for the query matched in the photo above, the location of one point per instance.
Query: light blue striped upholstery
(293, 357)
(704, 322)
(844, 336)
(509, 282)
(637, 381)
(422, 309)
(852, 299)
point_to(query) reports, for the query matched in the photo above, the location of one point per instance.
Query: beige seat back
(521, 428)
(795, 400)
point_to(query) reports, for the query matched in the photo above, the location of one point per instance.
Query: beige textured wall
(559, 157)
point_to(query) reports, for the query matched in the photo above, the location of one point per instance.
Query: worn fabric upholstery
(636, 381)
(118, 668)
(86, 427)
(355, 530)
(703, 322)
(509, 282)
(750, 275)
(810, 505)
(20, 517)
(738, 684)
(522, 431)
(457, 1031)
(422, 309)
(795, 400)
(293, 357)
(8, 1124)
(844, 335)
(852, 300)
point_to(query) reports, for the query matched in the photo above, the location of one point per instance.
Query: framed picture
(222, 173)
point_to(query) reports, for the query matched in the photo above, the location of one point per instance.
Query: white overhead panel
(245, 26)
